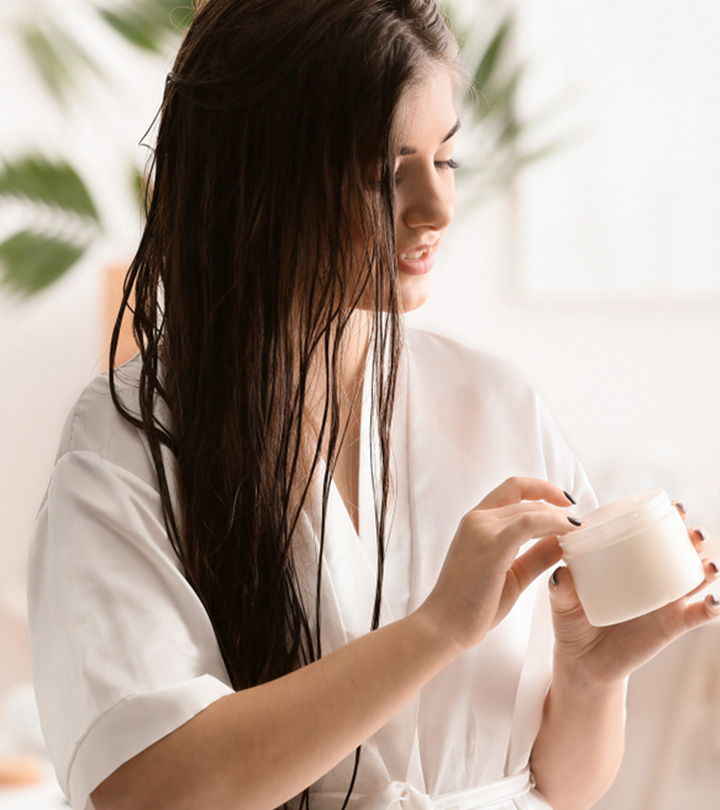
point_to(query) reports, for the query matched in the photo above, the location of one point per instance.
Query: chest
(347, 475)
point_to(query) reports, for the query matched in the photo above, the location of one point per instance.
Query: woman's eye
(447, 164)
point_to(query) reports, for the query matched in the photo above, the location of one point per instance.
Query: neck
(350, 377)
(357, 337)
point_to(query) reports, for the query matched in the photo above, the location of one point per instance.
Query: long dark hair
(271, 218)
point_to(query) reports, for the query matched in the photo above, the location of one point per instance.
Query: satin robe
(124, 653)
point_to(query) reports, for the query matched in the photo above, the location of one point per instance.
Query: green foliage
(57, 199)
(56, 185)
(56, 56)
(58, 202)
(490, 111)
(147, 24)
(30, 260)
(487, 67)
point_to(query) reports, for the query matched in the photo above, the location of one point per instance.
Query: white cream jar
(631, 556)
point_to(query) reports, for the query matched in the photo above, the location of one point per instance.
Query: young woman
(285, 554)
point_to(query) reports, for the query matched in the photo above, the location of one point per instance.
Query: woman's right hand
(482, 575)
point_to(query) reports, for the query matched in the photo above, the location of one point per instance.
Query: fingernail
(681, 506)
(701, 533)
(712, 601)
(715, 567)
(554, 578)
(575, 521)
(570, 498)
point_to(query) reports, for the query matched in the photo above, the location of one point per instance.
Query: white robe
(124, 653)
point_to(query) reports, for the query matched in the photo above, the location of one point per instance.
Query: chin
(413, 293)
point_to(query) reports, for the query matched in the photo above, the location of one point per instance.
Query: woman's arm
(260, 747)
(578, 751)
(579, 748)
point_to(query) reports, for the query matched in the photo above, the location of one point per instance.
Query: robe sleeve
(123, 651)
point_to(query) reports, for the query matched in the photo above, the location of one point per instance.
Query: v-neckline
(334, 494)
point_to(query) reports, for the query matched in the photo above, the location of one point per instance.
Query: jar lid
(615, 521)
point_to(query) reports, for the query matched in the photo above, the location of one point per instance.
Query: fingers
(699, 537)
(525, 569)
(681, 508)
(529, 565)
(695, 614)
(697, 534)
(712, 571)
(511, 526)
(563, 596)
(711, 605)
(676, 618)
(517, 489)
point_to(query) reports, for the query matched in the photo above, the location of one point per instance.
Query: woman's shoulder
(490, 411)
(454, 363)
(94, 425)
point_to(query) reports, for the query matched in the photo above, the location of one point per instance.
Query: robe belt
(403, 796)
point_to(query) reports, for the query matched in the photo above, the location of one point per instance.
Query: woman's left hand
(606, 655)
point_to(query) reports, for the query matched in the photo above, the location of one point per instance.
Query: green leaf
(134, 27)
(31, 261)
(491, 57)
(73, 51)
(510, 131)
(501, 97)
(175, 15)
(141, 187)
(55, 184)
(50, 61)
(55, 55)
(147, 24)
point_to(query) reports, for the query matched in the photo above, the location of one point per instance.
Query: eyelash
(440, 165)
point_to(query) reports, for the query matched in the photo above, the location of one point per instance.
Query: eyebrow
(408, 150)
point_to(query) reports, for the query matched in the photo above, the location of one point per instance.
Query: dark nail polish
(681, 506)
(714, 601)
(570, 498)
(554, 578)
(715, 567)
(575, 521)
(701, 533)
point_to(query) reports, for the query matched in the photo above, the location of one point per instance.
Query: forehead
(426, 112)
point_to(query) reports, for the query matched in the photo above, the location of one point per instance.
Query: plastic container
(631, 557)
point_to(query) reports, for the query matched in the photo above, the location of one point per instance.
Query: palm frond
(54, 184)
(50, 60)
(31, 261)
(55, 55)
(147, 24)
(491, 58)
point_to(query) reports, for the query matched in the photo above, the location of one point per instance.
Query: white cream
(632, 556)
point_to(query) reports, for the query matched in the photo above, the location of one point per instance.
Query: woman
(261, 574)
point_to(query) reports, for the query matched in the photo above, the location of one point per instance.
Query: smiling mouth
(415, 256)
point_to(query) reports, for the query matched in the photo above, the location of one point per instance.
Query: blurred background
(585, 252)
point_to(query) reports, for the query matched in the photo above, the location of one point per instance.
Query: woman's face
(425, 181)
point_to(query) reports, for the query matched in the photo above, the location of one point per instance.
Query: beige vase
(113, 284)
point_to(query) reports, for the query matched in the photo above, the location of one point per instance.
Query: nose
(429, 201)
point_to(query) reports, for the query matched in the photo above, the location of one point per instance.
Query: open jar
(630, 557)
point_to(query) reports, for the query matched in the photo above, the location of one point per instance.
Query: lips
(418, 261)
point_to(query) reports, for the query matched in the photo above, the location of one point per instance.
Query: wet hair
(271, 218)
